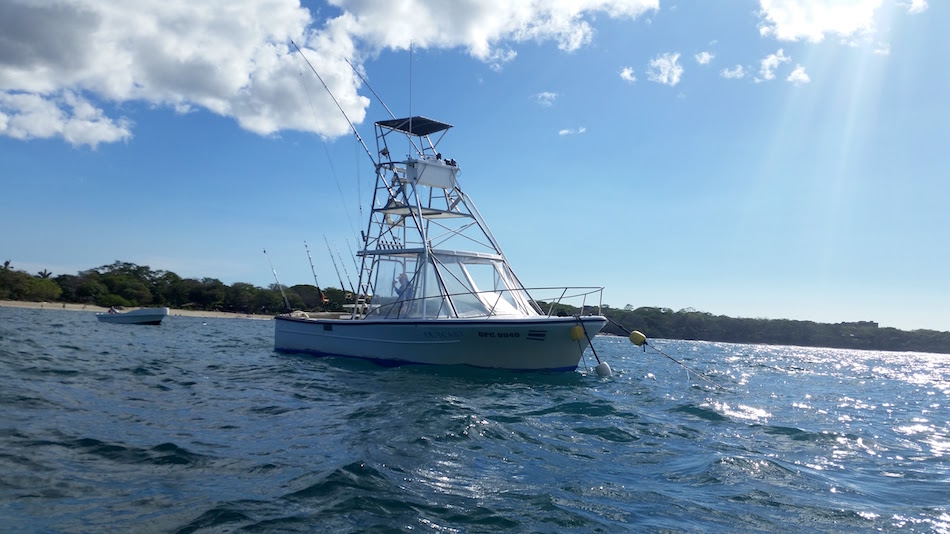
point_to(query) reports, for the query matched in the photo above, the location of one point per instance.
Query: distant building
(870, 324)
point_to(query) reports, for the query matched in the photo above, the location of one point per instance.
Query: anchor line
(681, 364)
(581, 324)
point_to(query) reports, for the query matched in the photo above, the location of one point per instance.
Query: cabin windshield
(483, 287)
(449, 286)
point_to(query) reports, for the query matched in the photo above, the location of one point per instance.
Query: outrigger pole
(370, 87)
(348, 121)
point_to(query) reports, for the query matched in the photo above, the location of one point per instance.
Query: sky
(764, 159)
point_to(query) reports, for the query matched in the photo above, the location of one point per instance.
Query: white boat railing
(538, 298)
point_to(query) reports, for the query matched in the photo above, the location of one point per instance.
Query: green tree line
(125, 284)
(689, 324)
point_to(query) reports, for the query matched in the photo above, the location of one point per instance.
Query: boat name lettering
(443, 335)
(499, 334)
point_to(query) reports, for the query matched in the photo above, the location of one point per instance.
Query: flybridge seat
(431, 172)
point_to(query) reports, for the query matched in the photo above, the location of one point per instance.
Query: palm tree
(44, 274)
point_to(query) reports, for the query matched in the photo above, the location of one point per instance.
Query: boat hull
(144, 316)
(529, 344)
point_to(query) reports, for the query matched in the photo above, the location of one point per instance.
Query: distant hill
(695, 325)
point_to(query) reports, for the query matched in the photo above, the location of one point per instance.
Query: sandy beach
(100, 309)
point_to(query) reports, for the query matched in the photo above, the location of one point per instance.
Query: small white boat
(435, 287)
(140, 316)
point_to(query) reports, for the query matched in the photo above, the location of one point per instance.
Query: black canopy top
(421, 126)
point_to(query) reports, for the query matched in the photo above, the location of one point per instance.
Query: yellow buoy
(577, 332)
(637, 338)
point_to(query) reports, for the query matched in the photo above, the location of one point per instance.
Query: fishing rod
(640, 340)
(335, 268)
(353, 256)
(347, 273)
(325, 86)
(279, 286)
(323, 299)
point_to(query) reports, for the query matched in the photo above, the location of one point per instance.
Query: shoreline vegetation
(70, 306)
(664, 323)
(126, 285)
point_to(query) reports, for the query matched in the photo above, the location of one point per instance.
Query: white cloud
(626, 74)
(883, 49)
(917, 6)
(734, 73)
(545, 98)
(480, 26)
(571, 131)
(703, 58)
(793, 20)
(497, 59)
(770, 63)
(28, 116)
(665, 69)
(233, 57)
(798, 76)
(176, 54)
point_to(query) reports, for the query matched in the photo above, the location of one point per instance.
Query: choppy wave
(198, 426)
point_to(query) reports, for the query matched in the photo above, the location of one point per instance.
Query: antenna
(280, 287)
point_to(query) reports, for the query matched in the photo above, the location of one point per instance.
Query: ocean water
(197, 425)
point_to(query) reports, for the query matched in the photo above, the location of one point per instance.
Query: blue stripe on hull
(400, 363)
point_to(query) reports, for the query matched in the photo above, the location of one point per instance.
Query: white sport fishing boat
(435, 287)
